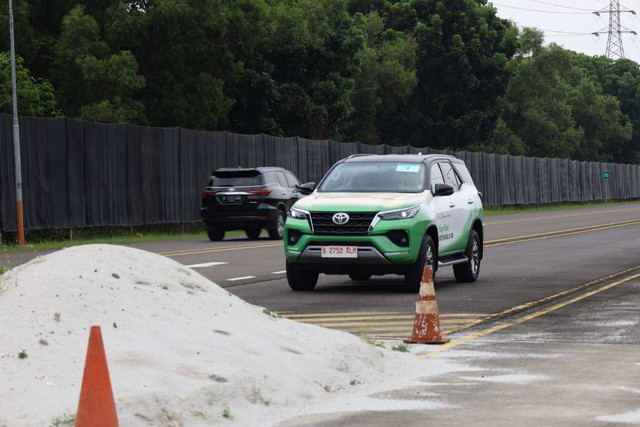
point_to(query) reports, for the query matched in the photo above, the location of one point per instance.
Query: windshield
(235, 178)
(375, 177)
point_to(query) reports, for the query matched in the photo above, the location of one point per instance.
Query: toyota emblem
(340, 218)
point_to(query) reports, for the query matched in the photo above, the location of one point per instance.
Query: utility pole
(615, 49)
(16, 134)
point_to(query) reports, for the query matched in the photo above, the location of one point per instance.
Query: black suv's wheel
(253, 233)
(469, 271)
(277, 231)
(301, 280)
(359, 277)
(427, 256)
(216, 234)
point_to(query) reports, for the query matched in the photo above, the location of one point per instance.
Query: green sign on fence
(606, 175)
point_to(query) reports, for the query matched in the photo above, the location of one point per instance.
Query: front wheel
(300, 280)
(469, 271)
(277, 231)
(427, 256)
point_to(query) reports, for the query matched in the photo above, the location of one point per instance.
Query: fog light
(293, 236)
(398, 237)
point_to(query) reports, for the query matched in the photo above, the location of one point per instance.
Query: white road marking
(241, 278)
(279, 272)
(206, 264)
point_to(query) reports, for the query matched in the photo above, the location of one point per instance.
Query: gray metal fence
(78, 174)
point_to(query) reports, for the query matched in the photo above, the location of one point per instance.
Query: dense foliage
(447, 74)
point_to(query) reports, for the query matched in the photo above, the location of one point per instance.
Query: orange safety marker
(96, 406)
(426, 326)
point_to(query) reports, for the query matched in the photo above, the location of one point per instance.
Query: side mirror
(443, 190)
(306, 188)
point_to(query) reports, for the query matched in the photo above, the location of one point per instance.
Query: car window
(270, 178)
(235, 178)
(281, 179)
(449, 174)
(463, 172)
(291, 179)
(436, 176)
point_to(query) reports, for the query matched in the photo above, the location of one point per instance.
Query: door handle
(452, 205)
(470, 201)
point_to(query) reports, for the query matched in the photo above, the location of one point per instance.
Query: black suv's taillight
(293, 237)
(398, 237)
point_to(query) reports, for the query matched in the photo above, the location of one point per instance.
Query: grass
(42, 240)
(401, 348)
(516, 209)
(227, 414)
(270, 313)
(64, 420)
(3, 270)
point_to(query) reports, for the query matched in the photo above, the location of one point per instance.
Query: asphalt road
(528, 257)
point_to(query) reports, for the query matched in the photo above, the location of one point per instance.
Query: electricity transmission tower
(615, 50)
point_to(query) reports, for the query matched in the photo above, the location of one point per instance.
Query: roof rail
(358, 155)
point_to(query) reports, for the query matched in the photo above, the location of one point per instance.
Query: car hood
(359, 202)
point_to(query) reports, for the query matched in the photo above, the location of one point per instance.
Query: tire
(359, 277)
(277, 232)
(253, 233)
(470, 270)
(300, 280)
(216, 234)
(428, 256)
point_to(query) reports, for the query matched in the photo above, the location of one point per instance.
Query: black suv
(250, 200)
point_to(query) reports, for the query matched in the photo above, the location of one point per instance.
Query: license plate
(339, 252)
(231, 198)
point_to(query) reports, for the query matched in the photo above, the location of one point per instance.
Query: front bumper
(373, 249)
(264, 214)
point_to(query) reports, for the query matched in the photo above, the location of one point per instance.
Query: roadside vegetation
(441, 74)
(506, 210)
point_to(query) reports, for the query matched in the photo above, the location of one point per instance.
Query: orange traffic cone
(426, 326)
(96, 406)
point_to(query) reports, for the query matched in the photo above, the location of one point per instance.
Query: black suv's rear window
(235, 178)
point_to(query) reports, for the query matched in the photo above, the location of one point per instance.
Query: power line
(555, 12)
(559, 5)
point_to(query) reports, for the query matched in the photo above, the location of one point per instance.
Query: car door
(460, 211)
(443, 212)
(284, 192)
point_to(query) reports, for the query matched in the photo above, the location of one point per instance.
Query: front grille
(358, 224)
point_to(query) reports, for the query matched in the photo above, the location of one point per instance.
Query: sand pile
(181, 350)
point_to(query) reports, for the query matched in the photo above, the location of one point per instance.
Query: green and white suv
(386, 214)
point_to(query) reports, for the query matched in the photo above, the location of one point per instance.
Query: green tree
(463, 54)
(94, 83)
(552, 109)
(36, 97)
(386, 80)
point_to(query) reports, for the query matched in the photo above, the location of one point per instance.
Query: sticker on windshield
(408, 167)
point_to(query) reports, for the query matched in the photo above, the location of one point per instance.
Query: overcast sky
(559, 18)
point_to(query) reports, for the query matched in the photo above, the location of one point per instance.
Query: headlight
(298, 214)
(400, 214)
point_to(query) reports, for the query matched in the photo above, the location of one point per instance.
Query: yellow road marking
(370, 324)
(556, 234)
(407, 317)
(389, 329)
(228, 248)
(588, 227)
(561, 216)
(523, 319)
(364, 313)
